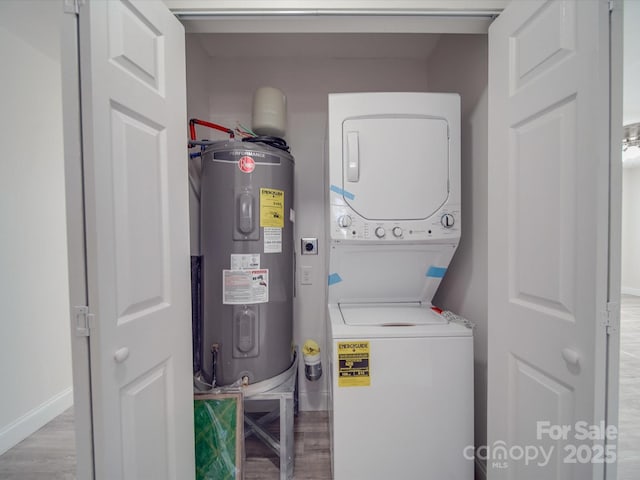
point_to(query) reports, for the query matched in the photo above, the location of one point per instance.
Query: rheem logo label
(246, 164)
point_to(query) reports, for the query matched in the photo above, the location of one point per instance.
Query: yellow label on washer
(353, 364)
(271, 207)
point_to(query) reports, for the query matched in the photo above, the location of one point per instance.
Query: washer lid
(390, 315)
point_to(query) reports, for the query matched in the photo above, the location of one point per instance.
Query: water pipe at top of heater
(192, 129)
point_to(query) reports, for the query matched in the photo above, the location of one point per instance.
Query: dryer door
(396, 166)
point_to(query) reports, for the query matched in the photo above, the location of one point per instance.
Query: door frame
(215, 17)
(76, 242)
(432, 18)
(616, 41)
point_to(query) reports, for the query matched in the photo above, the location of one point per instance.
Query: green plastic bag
(218, 436)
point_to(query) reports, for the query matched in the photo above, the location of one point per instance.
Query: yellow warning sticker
(271, 208)
(353, 364)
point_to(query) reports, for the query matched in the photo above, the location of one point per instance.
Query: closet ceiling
(319, 45)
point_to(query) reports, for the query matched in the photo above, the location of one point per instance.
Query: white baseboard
(481, 470)
(35, 419)
(630, 291)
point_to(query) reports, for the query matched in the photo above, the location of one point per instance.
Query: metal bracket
(83, 320)
(73, 6)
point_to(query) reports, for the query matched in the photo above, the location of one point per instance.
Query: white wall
(306, 83)
(197, 107)
(631, 106)
(459, 64)
(631, 230)
(35, 376)
(631, 175)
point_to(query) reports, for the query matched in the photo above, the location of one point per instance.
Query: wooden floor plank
(48, 454)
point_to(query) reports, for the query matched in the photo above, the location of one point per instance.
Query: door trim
(75, 213)
(615, 222)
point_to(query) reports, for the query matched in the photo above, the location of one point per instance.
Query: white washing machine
(401, 374)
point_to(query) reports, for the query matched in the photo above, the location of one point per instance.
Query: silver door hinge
(73, 6)
(611, 321)
(611, 5)
(82, 320)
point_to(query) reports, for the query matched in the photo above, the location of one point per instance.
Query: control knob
(344, 221)
(380, 232)
(447, 220)
(397, 232)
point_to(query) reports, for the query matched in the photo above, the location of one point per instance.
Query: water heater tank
(247, 261)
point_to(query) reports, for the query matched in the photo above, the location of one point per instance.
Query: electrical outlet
(306, 276)
(309, 246)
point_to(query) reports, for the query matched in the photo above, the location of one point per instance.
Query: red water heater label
(246, 164)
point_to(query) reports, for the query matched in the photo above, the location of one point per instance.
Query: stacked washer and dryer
(401, 386)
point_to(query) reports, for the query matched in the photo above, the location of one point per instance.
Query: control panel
(347, 225)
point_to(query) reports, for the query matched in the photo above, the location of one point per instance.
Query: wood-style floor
(312, 455)
(49, 454)
(629, 412)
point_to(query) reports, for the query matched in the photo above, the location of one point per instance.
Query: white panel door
(548, 236)
(135, 170)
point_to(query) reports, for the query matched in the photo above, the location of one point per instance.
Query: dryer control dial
(380, 232)
(447, 220)
(397, 232)
(345, 221)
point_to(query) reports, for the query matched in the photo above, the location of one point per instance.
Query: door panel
(144, 405)
(142, 263)
(533, 390)
(136, 45)
(378, 151)
(542, 42)
(135, 163)
(548, 226)
(542, 228)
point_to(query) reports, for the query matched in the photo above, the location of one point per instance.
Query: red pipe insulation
(194, 121)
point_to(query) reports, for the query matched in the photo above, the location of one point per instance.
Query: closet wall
(223, 70)
(459, 64)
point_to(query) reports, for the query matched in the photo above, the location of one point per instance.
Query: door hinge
(73, 6)
(611, 5)
(83, 320)
(611, 321)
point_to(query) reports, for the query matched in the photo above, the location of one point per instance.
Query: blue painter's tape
(334, 278)
(436, 272)
(344, 193)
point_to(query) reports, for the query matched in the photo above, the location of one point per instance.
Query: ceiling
(401, 45)
(318, 45)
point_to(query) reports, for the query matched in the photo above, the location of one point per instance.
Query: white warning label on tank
(245, 286)
(272, 240)
(242, 261)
